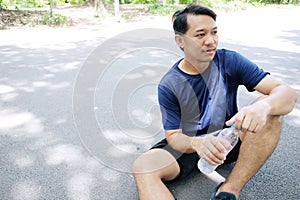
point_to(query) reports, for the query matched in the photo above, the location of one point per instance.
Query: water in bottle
(228, 134)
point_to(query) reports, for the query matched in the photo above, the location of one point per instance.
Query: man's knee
(139, 165)
(273, 125)
(270, 133)
(148, 162)
(155, 163)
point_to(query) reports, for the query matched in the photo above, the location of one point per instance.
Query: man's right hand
(211, 149)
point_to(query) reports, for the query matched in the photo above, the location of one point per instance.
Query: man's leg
(255, 149)
(150, 169)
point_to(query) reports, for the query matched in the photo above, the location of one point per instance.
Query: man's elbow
(171, 134)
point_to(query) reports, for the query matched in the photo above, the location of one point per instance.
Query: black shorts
(188, 162)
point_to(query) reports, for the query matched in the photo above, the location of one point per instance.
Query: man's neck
(193, 69)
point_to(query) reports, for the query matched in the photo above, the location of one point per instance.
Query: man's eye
(215, 32)
(200, 35)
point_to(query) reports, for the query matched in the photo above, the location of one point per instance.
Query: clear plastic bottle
(228, 134)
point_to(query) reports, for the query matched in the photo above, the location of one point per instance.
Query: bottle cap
(232, 126)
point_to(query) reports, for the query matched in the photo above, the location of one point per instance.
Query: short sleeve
(169, 107)
(248, 73)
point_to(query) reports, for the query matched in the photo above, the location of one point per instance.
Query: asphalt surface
(78, 105)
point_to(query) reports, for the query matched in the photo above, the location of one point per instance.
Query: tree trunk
(100, 8)
(51, 7)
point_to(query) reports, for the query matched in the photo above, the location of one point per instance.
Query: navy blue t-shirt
(200, 104)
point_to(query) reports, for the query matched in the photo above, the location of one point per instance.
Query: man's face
(201, 40)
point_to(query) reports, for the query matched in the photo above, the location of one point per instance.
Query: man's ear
(179, 41)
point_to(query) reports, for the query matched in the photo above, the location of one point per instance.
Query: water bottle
(228, 134)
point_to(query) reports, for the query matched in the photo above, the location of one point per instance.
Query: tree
(100, 8)
(51, 3)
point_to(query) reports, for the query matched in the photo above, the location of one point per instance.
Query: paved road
(79, 104)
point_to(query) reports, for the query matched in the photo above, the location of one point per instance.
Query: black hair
(179, 18)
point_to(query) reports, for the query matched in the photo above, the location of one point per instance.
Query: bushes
(162, 9)
(145, 1)
(18, 4)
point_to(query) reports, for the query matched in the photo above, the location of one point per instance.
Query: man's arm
(207, 146)
(279, 100)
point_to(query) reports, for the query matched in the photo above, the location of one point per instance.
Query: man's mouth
(210, 51)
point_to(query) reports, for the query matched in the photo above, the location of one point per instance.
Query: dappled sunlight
(26, 190)
(24, 87)
(133, 142)
(121, 150)
(290, 37)
(18, 124)
(142, 116)
(44, 142)
(22, 160)
(61, 120)
(140, 136)
(65, 67)
(143, 110)
(79, 186)
(7, 93)
(294, 117)
(61, 85)
(143, 73)
(110, 174)
(49, 85)
(153, 98)
(281, 76)
(63, 154)
(261, 62)
(114, 135)
(47, 76)
(6, 89)
(159, 53)
(39, 84)
(50, 150)
(150, 72)
(296, 87)
(31, 38)
(125, 56)
(133, 76)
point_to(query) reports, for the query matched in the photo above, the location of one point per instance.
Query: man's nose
(209, 39)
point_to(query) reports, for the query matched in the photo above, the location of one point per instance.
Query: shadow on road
(42, 156)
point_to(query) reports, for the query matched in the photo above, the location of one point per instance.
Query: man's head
(180, 22)
(196, 33)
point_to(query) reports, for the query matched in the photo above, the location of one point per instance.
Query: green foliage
(2, 5)
(145, 1)
(54, 20)
(59, 2)
(74, 2)
(208, 2)
(128, 15)
(49, 19)
(162, 9)
(126, 1)
(29, 3)
(18, 4)
(230, 5)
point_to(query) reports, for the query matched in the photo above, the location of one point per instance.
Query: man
(197, 96)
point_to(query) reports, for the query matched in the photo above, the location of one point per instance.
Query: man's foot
(222, 195)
